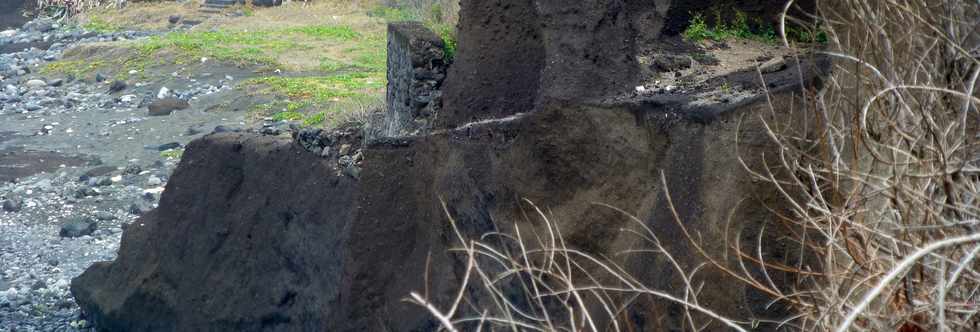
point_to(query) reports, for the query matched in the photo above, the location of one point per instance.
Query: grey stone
(85, 192)
(13, 205)
(153, 180)
(168, 146)
(132, 169)
(78, 227)
(140, 207)
(166, 106)
(773, 65)
(104, 216)
(35, 84)
(671, 62)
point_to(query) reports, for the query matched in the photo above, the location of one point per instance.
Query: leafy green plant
(698, 29)
(172, 154)
(287, 116)
(448, 34)
(315, 119)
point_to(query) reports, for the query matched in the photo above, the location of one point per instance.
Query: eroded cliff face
(12, 13)
(256, 233)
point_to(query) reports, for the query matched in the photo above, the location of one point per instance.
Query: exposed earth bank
(327, 231)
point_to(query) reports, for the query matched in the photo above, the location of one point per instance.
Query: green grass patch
(99, 25)
(315, 120)
(76, 68)
(251, 47)
(172, 154)
(326, 32)
(322, 88)
(390, 14)
(287, 116)
(235, 46)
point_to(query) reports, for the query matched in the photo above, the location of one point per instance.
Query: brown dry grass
(884, 192)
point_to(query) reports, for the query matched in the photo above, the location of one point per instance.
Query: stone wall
(416, 69)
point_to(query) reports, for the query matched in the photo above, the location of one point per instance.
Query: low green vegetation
(75, 68)
(172, 154)
(431, 18)
(99, 25)
(739, 27)
(287, 116)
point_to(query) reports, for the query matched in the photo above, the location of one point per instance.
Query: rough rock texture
(416, 70)
(233, 246)
(258, 233)
(514, 53)
(241, 242)
(11, 12)
(497, 71)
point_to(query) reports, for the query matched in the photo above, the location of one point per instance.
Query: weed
(315, 119)
(287, 116)
(739, 28)
(326, 32)
(172, 154)
(448, 34)
(698, 29)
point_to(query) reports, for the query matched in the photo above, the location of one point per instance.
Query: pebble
(35, 84)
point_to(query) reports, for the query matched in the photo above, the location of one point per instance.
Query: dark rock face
(261, 233)
(497, 71)
(240, 242)
(12, 13)
(254, 255)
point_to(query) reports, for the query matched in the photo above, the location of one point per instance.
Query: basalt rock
(241, 242)
(267, 233)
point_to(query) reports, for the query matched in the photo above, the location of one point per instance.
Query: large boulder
(250, 235)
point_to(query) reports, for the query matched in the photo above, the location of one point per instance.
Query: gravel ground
(79, 161)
